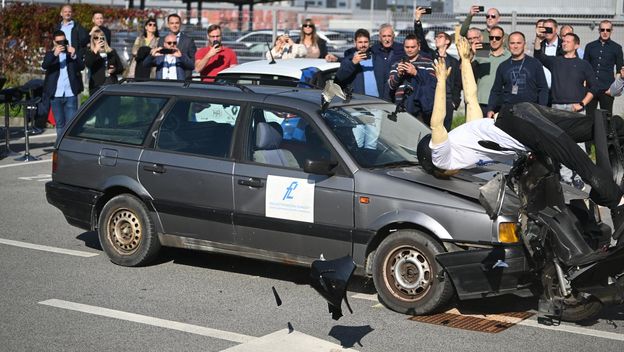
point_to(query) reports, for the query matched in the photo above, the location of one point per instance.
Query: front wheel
(126, 231)
(405, 273)
(574, 308)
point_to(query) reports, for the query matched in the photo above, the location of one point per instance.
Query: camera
(166, 51)
(548, 30)
(481, 8)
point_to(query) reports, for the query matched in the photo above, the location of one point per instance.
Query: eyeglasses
(490, 16)
(151, 24)
(608, 30)
(495, 37)
(172, 43)
(307, 25)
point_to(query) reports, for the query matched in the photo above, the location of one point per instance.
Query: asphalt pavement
(60, 292)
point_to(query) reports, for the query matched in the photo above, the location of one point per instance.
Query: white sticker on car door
(289, 198)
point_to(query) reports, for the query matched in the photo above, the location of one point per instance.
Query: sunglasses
(308, 26)
(608, 30)
(490, 16)
(98, 38)
(172, 43)
(151, 24)
(495, 37)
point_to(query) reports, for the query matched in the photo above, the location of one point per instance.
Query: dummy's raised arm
(439, 134)
(473, 110)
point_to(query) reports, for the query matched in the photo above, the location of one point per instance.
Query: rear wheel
(575, 308)
(126, 231)
(405, 273)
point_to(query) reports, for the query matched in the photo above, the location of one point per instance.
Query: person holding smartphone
(63, 80)
(102, 61)
(492, 19)
(169, 61)
(485, 67)
(357, 69)
(547, 40)
(215, 57)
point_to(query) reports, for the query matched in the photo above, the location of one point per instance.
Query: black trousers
(555, 133)
(606, 103)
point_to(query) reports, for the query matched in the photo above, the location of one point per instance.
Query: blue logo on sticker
(289, 190)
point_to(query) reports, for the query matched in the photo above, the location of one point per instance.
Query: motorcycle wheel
(575, 308)
(405, 273)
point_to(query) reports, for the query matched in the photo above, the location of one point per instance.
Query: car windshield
(375, 135)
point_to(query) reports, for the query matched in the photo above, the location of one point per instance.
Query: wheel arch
(114, 189)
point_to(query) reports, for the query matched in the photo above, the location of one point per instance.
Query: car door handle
(156, 168)
(251, 182)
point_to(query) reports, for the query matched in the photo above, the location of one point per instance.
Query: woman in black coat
(316, 47)
(103, 62)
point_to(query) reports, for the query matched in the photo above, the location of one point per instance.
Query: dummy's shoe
(617, 216)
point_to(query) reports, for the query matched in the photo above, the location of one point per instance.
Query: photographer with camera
(63, 80)
(285, 48)
(102, 61)
(357, 69)
(215, 57)
(413, 78)
(169, 61)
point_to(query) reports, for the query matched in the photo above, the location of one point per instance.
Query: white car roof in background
(287, 68)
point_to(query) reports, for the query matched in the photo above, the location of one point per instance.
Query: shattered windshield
(375, 135)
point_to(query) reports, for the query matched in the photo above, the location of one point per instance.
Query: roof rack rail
(194, 79)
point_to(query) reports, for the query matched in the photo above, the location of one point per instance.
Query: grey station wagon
(266, 172)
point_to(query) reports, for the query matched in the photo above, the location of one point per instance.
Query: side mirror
(319, 167)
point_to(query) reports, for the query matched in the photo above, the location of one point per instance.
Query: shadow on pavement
(350, 335)
(90, 240)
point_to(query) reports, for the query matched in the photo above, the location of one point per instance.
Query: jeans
(64, 109)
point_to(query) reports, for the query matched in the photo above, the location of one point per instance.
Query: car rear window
(121, 119)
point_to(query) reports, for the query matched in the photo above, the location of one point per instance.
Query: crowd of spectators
(556, 71)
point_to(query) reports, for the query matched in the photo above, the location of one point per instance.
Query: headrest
(267, 137)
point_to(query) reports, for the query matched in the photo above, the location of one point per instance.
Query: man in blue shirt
(604, 55)
(76, 35)
(63, 81)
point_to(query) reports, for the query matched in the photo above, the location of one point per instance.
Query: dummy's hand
(440, 69)
(464, 49)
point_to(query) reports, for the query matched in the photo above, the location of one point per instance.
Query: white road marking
(39, 178)
(371, 297)
(47, 248)
(574, 330)
(26, 163)
(143, 319)
(285, 341)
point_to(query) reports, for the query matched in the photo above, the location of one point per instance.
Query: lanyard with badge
(514, 79)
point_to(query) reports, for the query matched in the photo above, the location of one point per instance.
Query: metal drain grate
(494, 323)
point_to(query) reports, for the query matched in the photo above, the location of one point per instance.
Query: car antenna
(270, 53)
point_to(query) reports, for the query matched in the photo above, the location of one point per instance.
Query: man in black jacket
(442, 43)
(98, 21)
(63, 81)
(186, 44)
(76, 35)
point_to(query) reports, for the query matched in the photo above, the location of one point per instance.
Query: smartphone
(427, 10)
(481, 8)
(166, 51)
(405, 60)
(369, 54)
(65, 44)
(548, 30)
(216, 44)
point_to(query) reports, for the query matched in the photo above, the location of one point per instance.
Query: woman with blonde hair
(316, 47)
(142, 47)
(103, 62)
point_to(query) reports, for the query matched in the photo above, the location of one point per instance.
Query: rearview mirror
(319, 167)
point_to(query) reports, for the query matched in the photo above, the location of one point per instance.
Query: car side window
(198, 127)
(284, 139)
(122, 119)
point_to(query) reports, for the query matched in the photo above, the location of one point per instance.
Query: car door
(281, 208)
(189, 170)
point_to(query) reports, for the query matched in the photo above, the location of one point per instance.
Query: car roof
(252, 93)
(287, 68)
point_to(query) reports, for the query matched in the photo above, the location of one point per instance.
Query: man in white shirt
(169, 61)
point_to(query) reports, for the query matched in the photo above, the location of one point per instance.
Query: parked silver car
(268, 173)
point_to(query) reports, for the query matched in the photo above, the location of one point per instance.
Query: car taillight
(54, 161)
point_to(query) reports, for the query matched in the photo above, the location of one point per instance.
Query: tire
(575, 308)
(405, 273)
(118, 216)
